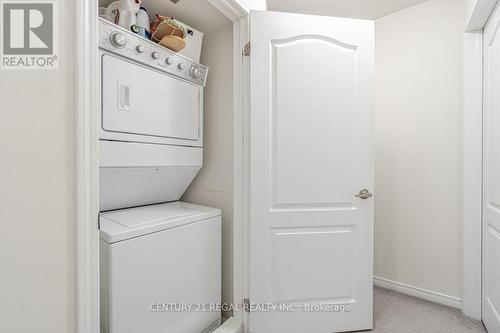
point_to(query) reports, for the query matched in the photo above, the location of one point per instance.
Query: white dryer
(151, 133)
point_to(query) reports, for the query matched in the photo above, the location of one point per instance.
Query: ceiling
(202, 16)
(363, 9)
(199, 14)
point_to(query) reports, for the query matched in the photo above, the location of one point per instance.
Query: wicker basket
(166, 26)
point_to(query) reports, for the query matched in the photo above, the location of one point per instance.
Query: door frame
(241, 166)
(478, 16)
(87, 159)
(87, 167)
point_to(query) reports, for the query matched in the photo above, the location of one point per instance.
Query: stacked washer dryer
(160, 258)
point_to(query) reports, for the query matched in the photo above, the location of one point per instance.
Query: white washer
(156, 256)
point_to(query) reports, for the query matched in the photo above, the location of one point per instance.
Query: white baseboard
(231, 325)
(428, 295)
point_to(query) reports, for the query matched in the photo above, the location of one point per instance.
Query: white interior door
(491, 176)
(311, 238)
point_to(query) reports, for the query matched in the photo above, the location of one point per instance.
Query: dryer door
(148, 104)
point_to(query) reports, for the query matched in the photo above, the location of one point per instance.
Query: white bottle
(143, 23)
(128, 11)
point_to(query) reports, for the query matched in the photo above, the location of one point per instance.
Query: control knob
(195, 72)
(180, 66)
(118, 40)
(169, 61)
(155, 55)
(140, 48)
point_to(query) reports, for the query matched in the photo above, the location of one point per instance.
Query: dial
(180, 66)
(169, 61)
(155, 55)
(140, 48)
(118, 40)
(195, 72)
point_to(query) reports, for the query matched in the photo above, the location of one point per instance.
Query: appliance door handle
(123, 96)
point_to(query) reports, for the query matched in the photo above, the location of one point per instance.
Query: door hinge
(246, 50)
(246, 304)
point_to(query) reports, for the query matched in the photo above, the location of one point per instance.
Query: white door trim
(232, 9)
(472, 156)
(241, 70)
(87, 176)
(472, 173)
(480, 14)
(87, 163)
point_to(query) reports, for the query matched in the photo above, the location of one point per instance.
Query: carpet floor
(399, 313)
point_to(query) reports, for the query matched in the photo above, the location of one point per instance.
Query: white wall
(214, 184)
(37, 215)
(418, 221)
(255, 4)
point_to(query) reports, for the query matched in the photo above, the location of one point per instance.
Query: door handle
(364, 194)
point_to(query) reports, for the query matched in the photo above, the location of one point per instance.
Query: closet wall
(214, 184)
(418, 213)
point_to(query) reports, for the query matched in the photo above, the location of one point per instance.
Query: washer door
(142, 101)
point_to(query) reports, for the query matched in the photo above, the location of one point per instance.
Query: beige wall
(214, 184)
(37, 216)
(418, 221)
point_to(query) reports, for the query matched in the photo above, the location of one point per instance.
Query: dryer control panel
(117, 40)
